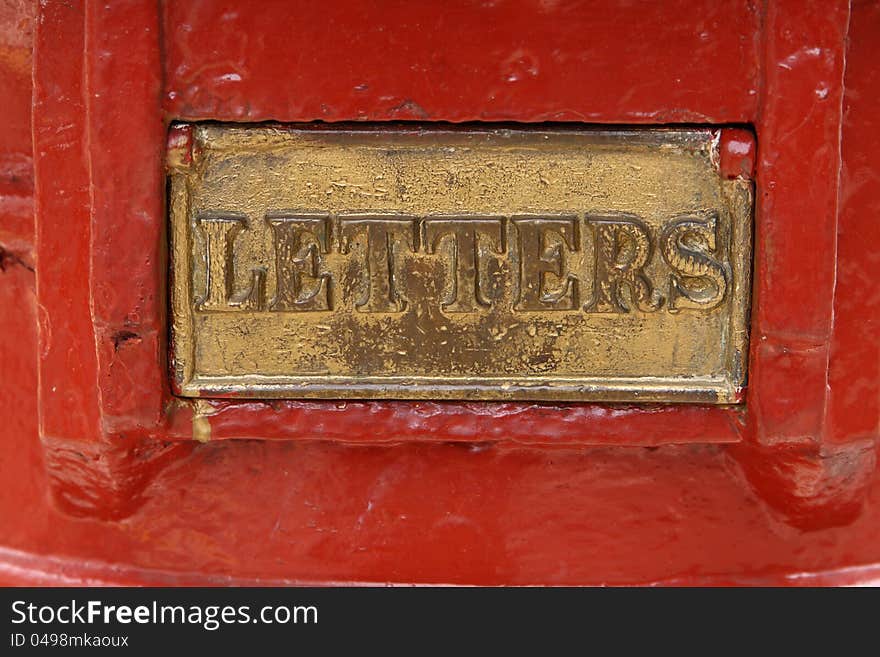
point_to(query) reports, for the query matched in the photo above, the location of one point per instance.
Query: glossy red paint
(737, 153)
(126, 232)
(106, 492)
(462, 60)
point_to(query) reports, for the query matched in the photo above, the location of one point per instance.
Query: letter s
(698, 280)
(16, 609)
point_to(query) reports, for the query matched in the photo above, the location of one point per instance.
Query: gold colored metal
(458, 263)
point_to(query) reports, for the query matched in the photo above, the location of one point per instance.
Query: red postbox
(108, 482)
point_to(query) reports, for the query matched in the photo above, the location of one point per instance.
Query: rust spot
(122, 337)
(9, 259)
(410, 107)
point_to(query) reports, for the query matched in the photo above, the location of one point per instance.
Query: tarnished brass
(458, 263)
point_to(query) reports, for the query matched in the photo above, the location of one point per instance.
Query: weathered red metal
(794, 500)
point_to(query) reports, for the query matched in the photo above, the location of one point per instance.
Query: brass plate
(458, 263)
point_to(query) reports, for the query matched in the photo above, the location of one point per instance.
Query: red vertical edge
(126, 139)
(98, 131)
(68, 374)
(21, 467)
(793, 460)
(796, 217)
(853, 411)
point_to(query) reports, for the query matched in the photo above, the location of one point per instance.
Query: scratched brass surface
(458, 263)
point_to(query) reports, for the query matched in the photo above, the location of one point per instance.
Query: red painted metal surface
(108, 488)
(462, 60)
(125, 230)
